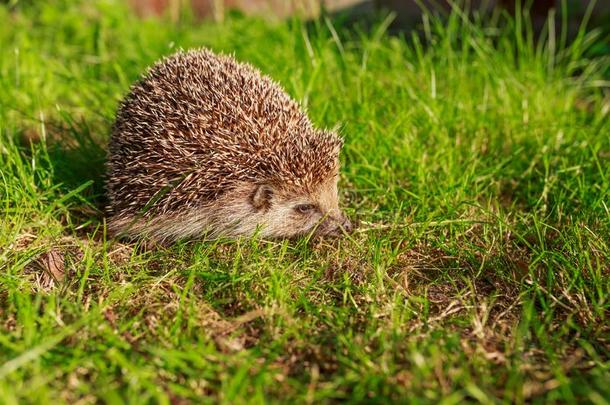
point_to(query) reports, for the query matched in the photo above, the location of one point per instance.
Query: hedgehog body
(206, 146)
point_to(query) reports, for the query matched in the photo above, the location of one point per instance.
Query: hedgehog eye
(304, 208)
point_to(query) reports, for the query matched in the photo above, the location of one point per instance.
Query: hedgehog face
(286, 214)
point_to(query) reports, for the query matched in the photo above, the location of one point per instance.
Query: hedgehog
(204, 146)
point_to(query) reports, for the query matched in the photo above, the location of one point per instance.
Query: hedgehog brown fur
(205, 145)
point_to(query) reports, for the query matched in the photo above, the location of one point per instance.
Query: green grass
(476, 160)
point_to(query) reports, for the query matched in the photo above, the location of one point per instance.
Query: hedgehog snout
(335, 225)
(347, 225)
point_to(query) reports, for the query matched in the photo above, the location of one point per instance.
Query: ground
(476, 164)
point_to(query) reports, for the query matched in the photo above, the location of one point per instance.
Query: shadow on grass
(405, 16)
(76, 156)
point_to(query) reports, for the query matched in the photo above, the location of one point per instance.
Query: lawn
(476, 164)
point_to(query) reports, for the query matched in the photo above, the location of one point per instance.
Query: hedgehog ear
(261, 197)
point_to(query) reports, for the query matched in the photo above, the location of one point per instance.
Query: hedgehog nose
(338, 226)
(347, 225)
